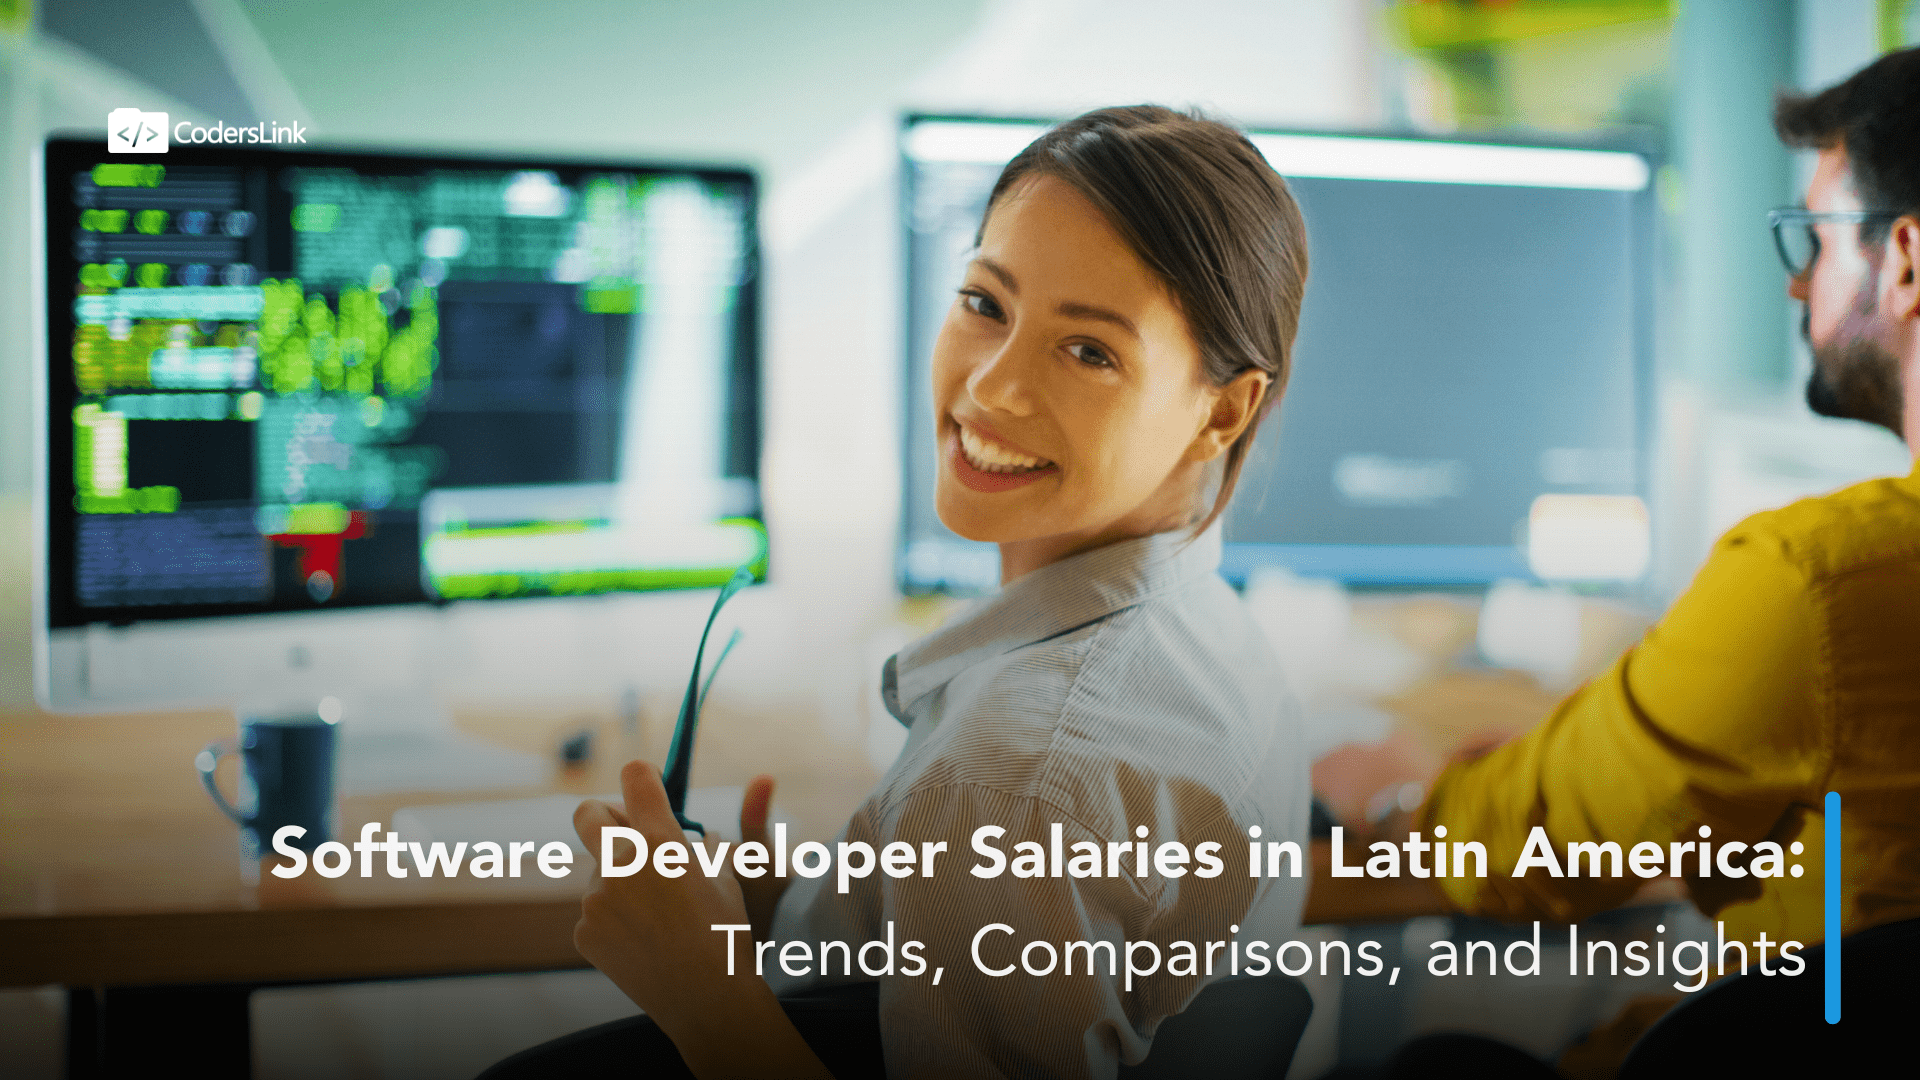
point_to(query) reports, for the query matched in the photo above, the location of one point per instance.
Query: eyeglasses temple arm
(680, 752)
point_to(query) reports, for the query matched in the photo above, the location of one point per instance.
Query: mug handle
(206, 760)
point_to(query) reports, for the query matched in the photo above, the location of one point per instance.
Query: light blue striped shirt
(1123, 687)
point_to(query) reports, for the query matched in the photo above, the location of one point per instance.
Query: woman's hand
(654, 937)
(762, 894)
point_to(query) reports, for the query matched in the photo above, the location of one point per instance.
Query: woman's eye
(1090, 355)
(981, 304)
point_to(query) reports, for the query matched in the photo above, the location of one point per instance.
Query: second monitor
(1468, 397)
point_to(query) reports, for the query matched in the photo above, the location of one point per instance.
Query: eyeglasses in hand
(680, 754)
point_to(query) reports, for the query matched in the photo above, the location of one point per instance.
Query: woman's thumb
(753, 808)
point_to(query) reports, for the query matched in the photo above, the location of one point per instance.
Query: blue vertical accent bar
(1832, 947)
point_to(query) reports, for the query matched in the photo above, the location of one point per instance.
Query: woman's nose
(1003, 382)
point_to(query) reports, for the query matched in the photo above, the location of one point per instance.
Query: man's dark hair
(1875, 117)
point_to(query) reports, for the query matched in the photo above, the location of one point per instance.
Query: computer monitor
(281, 383)
(1469, 393)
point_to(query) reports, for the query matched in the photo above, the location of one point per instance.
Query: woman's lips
(984, 481)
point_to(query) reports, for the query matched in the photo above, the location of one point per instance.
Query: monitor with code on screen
(284, 381)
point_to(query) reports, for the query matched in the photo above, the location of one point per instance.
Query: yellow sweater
(1790, 668)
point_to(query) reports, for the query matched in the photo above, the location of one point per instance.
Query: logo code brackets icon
(131, 131)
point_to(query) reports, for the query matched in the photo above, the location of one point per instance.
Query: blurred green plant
(1472, 45)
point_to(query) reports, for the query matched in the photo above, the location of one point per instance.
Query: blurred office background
(811, 95)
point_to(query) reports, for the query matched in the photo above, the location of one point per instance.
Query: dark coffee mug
(286, 775)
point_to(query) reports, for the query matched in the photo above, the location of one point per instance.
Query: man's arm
(1713, 720)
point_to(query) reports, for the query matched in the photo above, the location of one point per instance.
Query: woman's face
(1069, 399)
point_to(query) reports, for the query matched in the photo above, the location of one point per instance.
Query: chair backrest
(1775, 1025)
(1240, 1028)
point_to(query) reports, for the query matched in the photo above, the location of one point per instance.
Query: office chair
(1237, 1029)
(1761, 1025)
(1240, 1028)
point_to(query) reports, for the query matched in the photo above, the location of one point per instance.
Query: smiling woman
(1123, 326)
(1124, 323)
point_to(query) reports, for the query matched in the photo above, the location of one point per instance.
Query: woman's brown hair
(1204, 211)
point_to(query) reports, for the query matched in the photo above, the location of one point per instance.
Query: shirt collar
(1046, 603)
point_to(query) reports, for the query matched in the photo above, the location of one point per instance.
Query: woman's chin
(972, 515)
(969, 524)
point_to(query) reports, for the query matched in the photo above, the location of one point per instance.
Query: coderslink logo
(263, 133)
(130, 131)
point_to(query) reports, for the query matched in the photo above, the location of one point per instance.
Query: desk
(117, 872)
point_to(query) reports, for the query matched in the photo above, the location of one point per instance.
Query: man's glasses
(1797, 242)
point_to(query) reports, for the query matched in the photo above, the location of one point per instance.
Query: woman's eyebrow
(1072, 309)
(1005, 275)
(1075, 310)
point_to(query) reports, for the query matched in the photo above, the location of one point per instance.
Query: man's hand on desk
(1352, 777)
(1364, 785)
(654, 937)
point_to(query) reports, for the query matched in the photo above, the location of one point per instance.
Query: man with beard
(1789, 669)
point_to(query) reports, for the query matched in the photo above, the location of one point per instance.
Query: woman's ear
(1234, 407)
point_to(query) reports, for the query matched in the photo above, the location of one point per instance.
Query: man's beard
(1854, 377)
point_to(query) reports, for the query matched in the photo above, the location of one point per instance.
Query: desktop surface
(116, 868)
